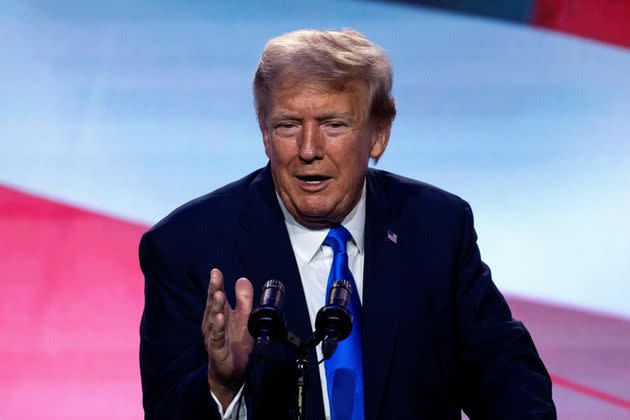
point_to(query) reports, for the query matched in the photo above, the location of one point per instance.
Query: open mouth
(313, 179)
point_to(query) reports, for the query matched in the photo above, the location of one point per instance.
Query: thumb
(244, 296)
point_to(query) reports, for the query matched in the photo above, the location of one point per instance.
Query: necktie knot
(337, 239)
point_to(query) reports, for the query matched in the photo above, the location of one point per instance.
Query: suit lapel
(381, 293)
(267, 254)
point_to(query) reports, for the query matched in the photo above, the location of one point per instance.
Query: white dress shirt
(314, 261)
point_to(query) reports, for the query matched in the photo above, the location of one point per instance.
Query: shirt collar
(306, 242)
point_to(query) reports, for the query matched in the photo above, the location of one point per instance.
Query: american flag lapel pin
(391, 236)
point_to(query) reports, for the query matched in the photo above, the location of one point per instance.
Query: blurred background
(114, 113)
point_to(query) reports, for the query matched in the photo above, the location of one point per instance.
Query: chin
(312, 218)
(313, 210)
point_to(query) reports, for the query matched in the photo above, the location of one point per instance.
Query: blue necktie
(344, 370)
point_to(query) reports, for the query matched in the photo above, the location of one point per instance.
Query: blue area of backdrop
(132, 108)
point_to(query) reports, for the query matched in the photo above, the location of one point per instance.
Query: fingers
(216, 281)
(217, 304)
(215, 285)
(219, 325)
(218, 343)
(244, 296)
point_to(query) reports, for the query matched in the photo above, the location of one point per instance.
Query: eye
(286, 129)
(335, 128)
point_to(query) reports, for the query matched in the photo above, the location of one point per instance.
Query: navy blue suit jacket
(438, 335)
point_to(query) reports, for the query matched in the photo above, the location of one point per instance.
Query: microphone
(334, 322)
(266, 322)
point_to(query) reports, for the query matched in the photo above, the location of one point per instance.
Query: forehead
(303, 96)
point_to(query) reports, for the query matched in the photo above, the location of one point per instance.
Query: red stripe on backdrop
(70, 306)
(604, 20)
(590, 392)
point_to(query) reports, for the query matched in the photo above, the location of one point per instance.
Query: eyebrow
(333, 115)
(284, 116)
(323, 117)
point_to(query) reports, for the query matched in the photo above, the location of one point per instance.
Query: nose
(311, 143)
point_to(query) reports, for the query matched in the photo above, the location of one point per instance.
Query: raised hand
(226, 338)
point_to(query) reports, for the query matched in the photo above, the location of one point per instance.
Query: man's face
(319, 141)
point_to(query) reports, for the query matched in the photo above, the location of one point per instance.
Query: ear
(380, 138)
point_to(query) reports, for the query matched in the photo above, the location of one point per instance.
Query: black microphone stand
(301, 364)
(333, 324)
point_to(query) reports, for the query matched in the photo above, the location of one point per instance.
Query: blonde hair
(330, 57)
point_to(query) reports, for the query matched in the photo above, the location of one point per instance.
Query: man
(434, 334)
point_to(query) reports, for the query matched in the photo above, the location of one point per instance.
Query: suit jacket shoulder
(411, 195)
(211, 212)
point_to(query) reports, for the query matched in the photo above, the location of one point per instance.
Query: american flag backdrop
(113, 113)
